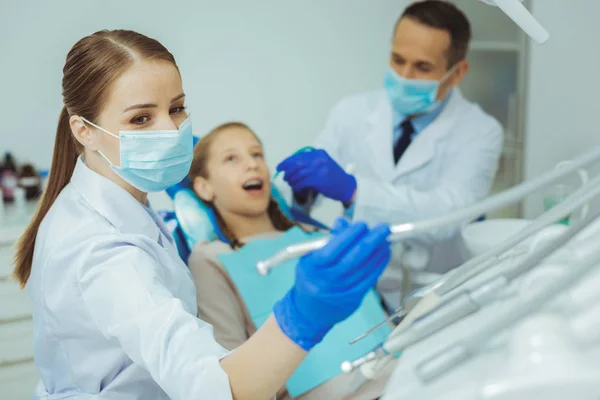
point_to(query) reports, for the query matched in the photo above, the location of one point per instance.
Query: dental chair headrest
(198, 221)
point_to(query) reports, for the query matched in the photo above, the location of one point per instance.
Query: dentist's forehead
(146, 82)
(418, 41)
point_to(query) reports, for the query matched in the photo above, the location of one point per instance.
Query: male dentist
(418, 149)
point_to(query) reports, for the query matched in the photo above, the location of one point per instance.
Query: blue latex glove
(332, 282)
(318, 171)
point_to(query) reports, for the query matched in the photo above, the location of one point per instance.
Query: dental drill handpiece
(466, 301)
(457, 307)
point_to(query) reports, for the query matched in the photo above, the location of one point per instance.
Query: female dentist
(114, 306)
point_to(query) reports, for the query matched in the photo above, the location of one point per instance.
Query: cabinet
(18, 376)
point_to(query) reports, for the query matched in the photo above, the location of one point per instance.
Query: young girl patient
(230, 174)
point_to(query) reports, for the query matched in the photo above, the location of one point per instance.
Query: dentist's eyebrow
(182, 95)
(150, 105)
(138, 106)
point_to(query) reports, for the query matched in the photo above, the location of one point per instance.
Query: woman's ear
(82, 133)
(204, 189)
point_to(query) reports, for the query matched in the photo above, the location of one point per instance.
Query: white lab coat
(450, 164)
(114, 305)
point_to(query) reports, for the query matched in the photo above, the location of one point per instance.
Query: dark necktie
(404, 140)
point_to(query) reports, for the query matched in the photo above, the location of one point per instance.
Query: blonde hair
(199, 169)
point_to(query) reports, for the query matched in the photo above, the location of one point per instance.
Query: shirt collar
(113, 202)
(421, 122)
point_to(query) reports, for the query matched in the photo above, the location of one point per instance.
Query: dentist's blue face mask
(412, 96)
(152, 161)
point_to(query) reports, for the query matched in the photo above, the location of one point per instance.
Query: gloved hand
(332, 282)
(318, 171)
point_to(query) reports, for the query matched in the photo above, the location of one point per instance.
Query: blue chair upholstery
(196, 219)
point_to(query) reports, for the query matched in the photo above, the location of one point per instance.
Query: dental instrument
(411, 229)
(475, 266)
(464, 303)
(483, 262)
(428, 299)
(457, 353)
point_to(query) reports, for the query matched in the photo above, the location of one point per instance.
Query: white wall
(277, 65)
(563, 87)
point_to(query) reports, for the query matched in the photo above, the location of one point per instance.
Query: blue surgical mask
(152, 161)
(412, 96)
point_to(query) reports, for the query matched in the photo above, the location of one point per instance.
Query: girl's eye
(177, 110)
(230, 158)
(258, 155)
(140, 120)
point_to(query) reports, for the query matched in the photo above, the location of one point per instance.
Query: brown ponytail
(198, 168)
(63, 164)
(92, 65)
